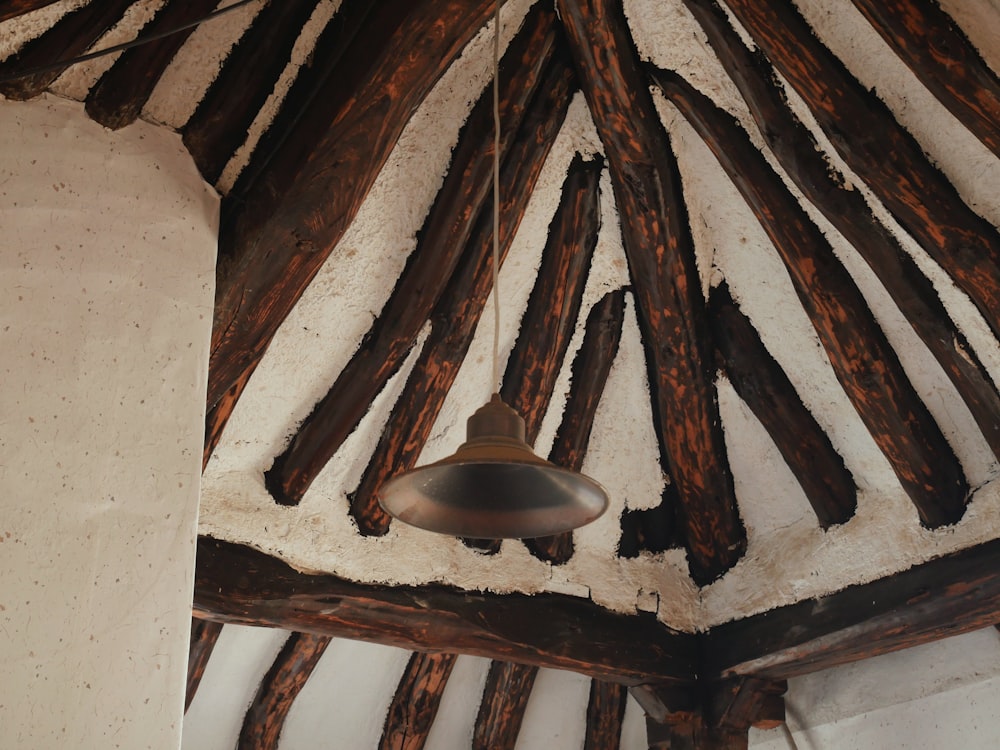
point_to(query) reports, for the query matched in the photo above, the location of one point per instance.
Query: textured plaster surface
(106, 285)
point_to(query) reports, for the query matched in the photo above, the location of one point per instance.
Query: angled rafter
(501, 711)
(70, 36)
(246, 79)
(238, 584)
(440, 244)
(661, 261)
(796, 150)
(416, 701)
(15, 8)
(307, 189)
(590, 374)
(943, 58)
(118, 97)
(864, 362)
(283, 682)
(605, 715)
(881, 152)
(759, 380)
(454, 320)
(204, 635)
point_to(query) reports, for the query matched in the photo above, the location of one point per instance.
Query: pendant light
(494, 486)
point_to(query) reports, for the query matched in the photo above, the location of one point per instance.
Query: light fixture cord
(496, 197)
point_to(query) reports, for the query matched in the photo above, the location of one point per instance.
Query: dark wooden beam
(927, 39)
(800, 157)
(591, 366)
(764, 387)
(15, 8)
(454, 320)
(665, 279)
(247, 77)
(204, 635)
(240, 585)
(501, 711)
(416, 701)
(439, 246)
(881, 152)
(283, 682)
(69, 37)
(864, 362)
(605, 715)
(306, 190)
(117, 99)
(953, 594)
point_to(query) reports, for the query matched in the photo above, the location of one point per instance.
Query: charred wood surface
(605, 715)
(415, 703)
(440, 245)
(590, 374)
(501, 711)
(247, 77)
(864, 362)
(15, 8)
(69, 37)
(661, 260)
(117, 99)
(764, 387)
(454, 319)
(880, 151)
(204, 635)
(926, 38)
(289, 673)
(240, 585)
(799, 155)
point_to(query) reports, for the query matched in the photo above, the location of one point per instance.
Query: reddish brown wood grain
(759, 380)
(15, 8)
(881, 152)
(864, 362)
(501, 711)
(605, 714)
(669, 304)
(117, 99)
(415, 703)
(204, 635)
(220, 122)
(237, 584)
(931, 44)
(69, 37)
(846, 208)
(289, 673)
(282, 225)
(439, 246)
(454, 320)
(591, 366)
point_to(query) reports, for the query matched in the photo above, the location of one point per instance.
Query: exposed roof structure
(751, 283)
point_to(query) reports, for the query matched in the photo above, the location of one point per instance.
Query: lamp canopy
(494, 486)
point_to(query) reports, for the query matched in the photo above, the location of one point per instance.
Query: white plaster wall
(107, 257)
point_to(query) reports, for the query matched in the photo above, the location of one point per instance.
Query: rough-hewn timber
(605, 714)
(416, 701)
(14, 8)
(501, 711)
(204, 635)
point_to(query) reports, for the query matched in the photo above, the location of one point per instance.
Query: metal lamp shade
(494, 486)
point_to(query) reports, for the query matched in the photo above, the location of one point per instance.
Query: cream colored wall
(107, 255)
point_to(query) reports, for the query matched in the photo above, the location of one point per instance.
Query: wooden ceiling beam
(440, 244)
(416, 700)
(454, 319)
(881, 152)
(249, 73)
(848, 211)
(932, 45)
(204, 635)
(306, 191)
(501, 710)
(288, 674)
(591, 367)
(864, 362)
(605, 715)
(240, 585)
(15, 8)
(665, 279)
(117, 99)
(764, 387)
(69, 37)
